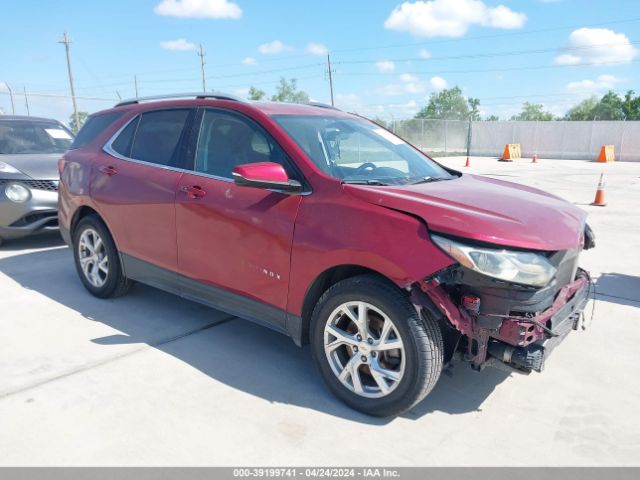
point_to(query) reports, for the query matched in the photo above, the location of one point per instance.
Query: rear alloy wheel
(97, 260)
(374, 351)
(93, 258)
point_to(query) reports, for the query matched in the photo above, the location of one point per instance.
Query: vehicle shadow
(237, 353)
(618, 288)
(44, 240)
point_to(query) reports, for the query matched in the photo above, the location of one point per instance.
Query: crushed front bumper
(38, 214)
(519, 340)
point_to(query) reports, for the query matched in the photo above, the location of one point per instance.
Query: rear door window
(158, 135)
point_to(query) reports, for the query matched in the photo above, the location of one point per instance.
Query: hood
(486, 210)
(38, 166)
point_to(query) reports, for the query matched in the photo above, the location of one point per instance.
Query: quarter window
(94, 126)
(227, 140)
(123, 143)
(157, 136)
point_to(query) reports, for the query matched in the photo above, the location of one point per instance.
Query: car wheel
(374, 351)
(97, 260)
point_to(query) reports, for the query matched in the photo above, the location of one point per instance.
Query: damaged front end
(501, 323)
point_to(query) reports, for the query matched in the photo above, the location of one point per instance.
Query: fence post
(624, 127)
(592, 153)
(445, 136)
(469, 137)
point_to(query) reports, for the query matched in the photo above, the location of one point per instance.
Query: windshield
(358, 151)
(18, 137)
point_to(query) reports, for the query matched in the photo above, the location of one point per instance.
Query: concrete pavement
(150, 379)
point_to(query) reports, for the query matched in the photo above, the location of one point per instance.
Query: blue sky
(388, 56)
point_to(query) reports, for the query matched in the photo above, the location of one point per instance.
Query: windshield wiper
(429, 180)
(363, 182)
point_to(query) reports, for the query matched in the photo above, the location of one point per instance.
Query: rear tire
(399, 361)
(97, 260)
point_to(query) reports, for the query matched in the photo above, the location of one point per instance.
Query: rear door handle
(108, 170)
(193, 192)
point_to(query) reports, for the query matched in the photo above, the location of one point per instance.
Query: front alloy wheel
(373, 349)
(364, 349)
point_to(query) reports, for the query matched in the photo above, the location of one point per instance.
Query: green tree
(448, 104)
(610, 107)
(256, 94)
(287, 91)
(474, 106)
(631, 106)
(582, 111)
(492, 118)
(532, 112)
(82, 117)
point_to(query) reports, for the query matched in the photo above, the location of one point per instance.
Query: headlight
(17, 193)
(6, 168)
(512, 266)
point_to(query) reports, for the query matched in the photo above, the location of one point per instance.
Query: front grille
(46, 185)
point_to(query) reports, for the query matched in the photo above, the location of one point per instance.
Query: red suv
(330, 229)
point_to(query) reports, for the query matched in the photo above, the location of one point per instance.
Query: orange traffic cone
(468, 164)
(535, 158)
(599, 200)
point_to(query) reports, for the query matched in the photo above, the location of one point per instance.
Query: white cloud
(317, 49)
(450, 18)
(198, 9)
(424, 53)
(603, 82)
(438, 83)
(385, 66)
(273, 47)
(180, 45)
(249, 61)
(408, 78)
(597, 46)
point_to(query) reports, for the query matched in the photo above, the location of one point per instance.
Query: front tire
(374, 351)
(97, 261)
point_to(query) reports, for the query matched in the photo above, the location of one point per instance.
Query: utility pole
(13, 107)
(66, 41)
(26, 100)
(201, 54)
(135, 83)
(330, 77)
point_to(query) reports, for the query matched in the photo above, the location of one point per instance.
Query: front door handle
(193, 192)
(108, 170)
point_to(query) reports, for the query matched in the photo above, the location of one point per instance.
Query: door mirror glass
(266, 175)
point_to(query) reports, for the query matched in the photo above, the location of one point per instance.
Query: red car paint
(272, 247)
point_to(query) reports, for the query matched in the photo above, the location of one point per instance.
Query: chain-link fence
(564, 140)
(436, 137)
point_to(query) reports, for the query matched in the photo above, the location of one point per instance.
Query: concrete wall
(570, 140)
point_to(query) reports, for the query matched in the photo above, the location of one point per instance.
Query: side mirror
(265, 175)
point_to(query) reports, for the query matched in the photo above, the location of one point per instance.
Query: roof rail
(214, 95)
(322, 105)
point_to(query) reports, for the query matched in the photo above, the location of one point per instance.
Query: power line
(480, 37)
(484, 70)
(489, 55)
